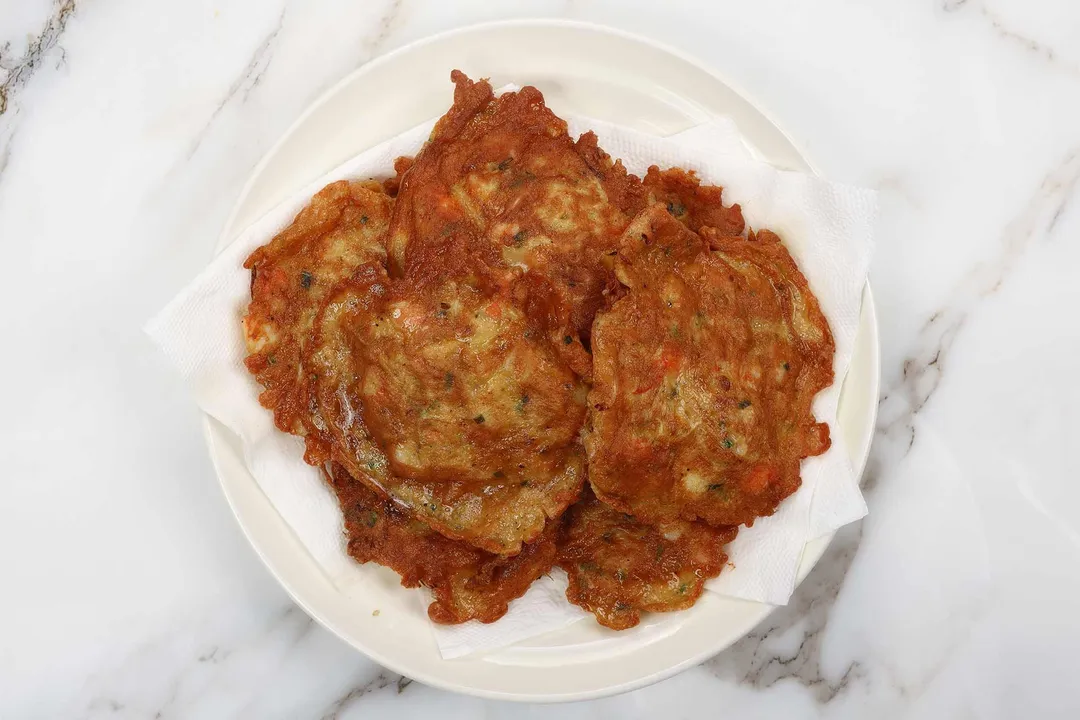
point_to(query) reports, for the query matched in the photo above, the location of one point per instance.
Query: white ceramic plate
(581, 69)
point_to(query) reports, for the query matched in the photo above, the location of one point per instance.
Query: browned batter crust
(503, 177)
(619, 567)
(448, 400)
(468, 584)
(704, 376)
(343, 227)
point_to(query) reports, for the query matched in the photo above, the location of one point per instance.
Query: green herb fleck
(448, 380)
(659, 550)
(306, 279)
(521, 403)
(589, 567)
(519, 238)
(567, 340)
(363, 219)
(621, 606)
(716, 486)
(608, 536)
(620, 575)
(676, 209)
(369, 518)
(728, 443)
(682, 588)
(786, 366)
(505, 163)
(271, 359)
(743, 404)
(479, 419)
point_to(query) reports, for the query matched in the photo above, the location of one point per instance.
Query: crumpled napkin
(828, 228)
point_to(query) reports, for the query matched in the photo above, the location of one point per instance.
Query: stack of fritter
(469, 346)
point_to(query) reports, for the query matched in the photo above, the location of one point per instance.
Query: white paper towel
(828, 228)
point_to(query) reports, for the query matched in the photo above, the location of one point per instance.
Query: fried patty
(503, 174)
(468, 583)
(447, 400)
(619, 567)
(343, 227)
(704, 376)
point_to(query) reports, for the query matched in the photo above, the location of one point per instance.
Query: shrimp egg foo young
(510, 357)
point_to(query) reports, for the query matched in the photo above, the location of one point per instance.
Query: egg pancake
(504, 173)
(705, 372)
(343, 227)
(468, 583)
(619, 567)
(448, 400)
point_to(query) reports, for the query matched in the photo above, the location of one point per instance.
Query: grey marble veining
(127, 130)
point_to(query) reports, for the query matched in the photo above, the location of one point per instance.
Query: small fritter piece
(447, 400)
(705, 372)
(468, 584)
(688, 201)
(619, 567)
(503, 173)
(342, 227)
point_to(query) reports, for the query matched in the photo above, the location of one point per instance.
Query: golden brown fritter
(468, 584)
(447, 400)
(503, 176)
(342, 227)
(619, 567)
(704, 376)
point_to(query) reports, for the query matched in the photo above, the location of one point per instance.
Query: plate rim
(228, 234)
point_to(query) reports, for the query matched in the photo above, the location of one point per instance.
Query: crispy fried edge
(578, 557)
(467, 583)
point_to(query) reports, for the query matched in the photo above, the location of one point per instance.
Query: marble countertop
(126, 132)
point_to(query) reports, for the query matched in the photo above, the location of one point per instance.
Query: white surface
(130, 592)
(830, 232)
